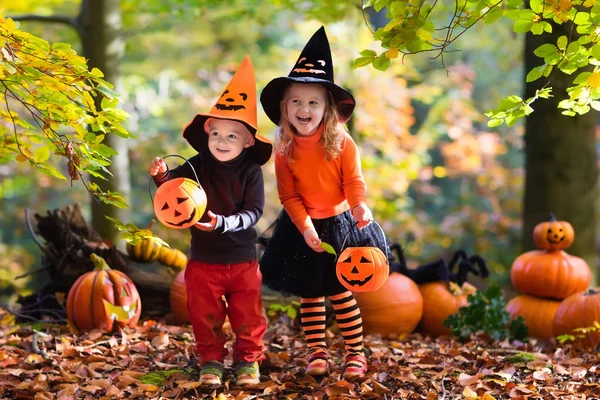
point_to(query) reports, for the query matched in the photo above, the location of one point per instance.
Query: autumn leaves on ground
(156, 360)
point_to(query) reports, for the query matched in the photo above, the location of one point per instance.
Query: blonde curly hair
(333, 131)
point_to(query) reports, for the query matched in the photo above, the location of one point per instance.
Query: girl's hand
(208, 226)
(312, 240)
(363, 215)
(157, 165)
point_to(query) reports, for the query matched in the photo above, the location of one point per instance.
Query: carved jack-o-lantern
(179, 203)
(553, 234)
(304, 65)
(230, 102)
(362, 269)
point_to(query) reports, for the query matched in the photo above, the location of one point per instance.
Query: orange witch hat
(237, 103)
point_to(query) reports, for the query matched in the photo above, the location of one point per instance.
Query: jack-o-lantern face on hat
(179, 203)
(362, 269)
(231, 101)
(305, 66)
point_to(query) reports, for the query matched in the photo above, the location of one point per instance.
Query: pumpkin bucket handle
(167, 156)
(382, 233)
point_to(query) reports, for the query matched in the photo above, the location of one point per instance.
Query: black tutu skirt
(292, 268)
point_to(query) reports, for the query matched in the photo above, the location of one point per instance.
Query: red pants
(241, 285)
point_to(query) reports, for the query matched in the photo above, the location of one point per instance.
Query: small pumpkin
(580, 310)
(103, 299)
(172, 257)
(179, 203)
(440, 300)
(537, 312)
(145, 250)
(553, 234)
(395, 308)
(362, 269)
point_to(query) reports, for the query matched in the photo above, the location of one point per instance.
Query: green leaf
(328, 248)
(495, 122)
(562, 42)
(522, 26)
(368, 53)
(545, 50)
(381, 63)
(493, 15)
(362, 61)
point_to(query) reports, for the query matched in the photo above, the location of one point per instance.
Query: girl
(323, 192)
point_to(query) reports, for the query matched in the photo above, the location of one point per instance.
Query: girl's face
(227, 139)
(305, 105)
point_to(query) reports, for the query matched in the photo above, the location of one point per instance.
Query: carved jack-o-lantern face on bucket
(362, 269)
(179, 203)
(231, 101)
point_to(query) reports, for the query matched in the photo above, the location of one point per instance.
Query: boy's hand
(363, 215)
(208, 226)
(312, 240)
(157, 165)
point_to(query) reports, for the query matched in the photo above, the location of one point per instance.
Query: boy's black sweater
(235, 193)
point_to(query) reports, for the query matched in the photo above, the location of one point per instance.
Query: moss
(521, 358)
(158, 377)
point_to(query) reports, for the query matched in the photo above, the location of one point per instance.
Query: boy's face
(305, 105)
(227, 139)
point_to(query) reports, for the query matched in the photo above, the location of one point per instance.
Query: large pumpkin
(440, 300)
(553, 274)
(178, 299)
(172, 257)
(362, 269)
(553, 234)
(580, 310)
(179, 203)
(537, 312)
(100, 297)
(396, 307)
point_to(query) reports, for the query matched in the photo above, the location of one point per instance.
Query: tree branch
(57, 19)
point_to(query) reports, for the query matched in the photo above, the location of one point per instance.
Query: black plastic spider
(439, 270)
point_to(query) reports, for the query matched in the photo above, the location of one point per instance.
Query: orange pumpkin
(580, 310)
(440, 300)
(553, 274)
(396, 307)
(179, 203)
(553, 234)
(178, 299)
(537, 312)
(100, 297)
(362, 269)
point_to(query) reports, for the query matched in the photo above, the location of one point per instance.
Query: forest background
(439, 178)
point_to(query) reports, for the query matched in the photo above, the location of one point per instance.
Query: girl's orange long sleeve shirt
(312, 187)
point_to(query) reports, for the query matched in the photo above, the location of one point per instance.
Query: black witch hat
(313, 66)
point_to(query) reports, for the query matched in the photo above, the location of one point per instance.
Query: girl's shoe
(317, 363)
(356, 366)
(211, 374)
(247, 374)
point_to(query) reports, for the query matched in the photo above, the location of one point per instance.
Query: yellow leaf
(593, 80)
(21, 158)
(392, 53)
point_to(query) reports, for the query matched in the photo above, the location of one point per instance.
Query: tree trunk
(100, 29)
(560, 159)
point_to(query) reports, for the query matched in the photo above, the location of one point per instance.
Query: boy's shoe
(248, 373)
(211, 374)
(356, 366)
(317, 363)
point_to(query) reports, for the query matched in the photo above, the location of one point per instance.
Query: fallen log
(67, 241)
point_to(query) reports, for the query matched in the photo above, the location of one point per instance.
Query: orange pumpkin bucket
(362, 269)
(179, 203)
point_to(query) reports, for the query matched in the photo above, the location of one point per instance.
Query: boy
(223, 256)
